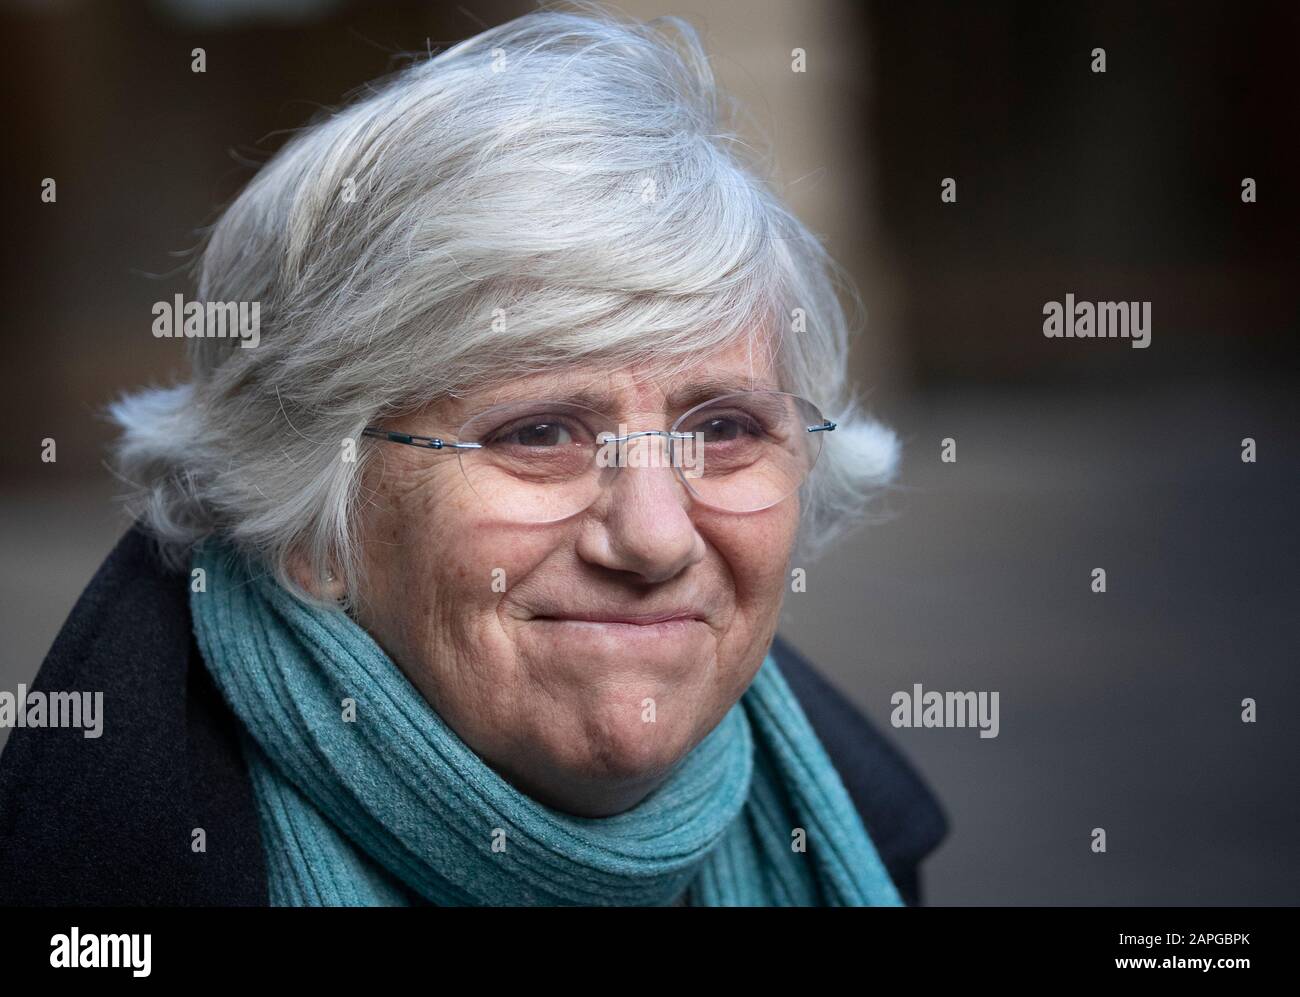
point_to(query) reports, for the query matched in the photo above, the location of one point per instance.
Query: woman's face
(555, 701)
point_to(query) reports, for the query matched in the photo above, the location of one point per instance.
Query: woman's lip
(620, 631)
(633, 620)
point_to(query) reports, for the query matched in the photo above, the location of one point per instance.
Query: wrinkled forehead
(620, 388)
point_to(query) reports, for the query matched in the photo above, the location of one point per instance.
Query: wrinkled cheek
(765, 554)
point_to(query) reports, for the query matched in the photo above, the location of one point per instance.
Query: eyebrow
(680, 400)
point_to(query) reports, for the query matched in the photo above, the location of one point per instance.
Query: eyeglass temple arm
(825, 427)
(424, 442)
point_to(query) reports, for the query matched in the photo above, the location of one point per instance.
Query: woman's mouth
(613, 630)
(619, 619)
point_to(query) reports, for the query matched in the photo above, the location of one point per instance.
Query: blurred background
(1118, 710)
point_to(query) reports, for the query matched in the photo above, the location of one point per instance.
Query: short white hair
(569, 168)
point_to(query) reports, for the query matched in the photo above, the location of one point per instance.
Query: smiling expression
(543, 646)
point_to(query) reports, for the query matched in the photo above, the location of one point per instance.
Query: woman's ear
(327, 585)
(335, 588)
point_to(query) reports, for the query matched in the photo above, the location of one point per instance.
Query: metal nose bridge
(685, 456)
(611, 438)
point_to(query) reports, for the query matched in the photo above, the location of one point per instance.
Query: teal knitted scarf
(392, 808)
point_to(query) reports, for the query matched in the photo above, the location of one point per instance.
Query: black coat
(108, 820)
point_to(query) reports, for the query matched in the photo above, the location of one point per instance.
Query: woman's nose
(642, 524)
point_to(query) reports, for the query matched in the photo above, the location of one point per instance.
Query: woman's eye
(539, 434)
(720, 429)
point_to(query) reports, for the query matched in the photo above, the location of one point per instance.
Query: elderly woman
(483, 538)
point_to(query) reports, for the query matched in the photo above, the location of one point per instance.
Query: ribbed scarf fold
(392, 808)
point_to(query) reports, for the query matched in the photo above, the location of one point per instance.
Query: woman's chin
(609, 756)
